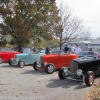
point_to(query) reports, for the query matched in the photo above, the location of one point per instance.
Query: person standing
(72, 48)
(34, 50)
(86, 48)
(77, 49)
(28, 50)
(47, 50)
(66, 49)
(90, 49)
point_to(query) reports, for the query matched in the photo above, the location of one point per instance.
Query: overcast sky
(88, 11)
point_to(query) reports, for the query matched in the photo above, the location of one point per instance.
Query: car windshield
(88, 53)
(56, 51)
(42, 51)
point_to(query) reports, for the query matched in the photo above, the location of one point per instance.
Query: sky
(88, 11)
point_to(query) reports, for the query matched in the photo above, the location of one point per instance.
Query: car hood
(84, 59)
(2, 53)
(15, 52)
(50, 55)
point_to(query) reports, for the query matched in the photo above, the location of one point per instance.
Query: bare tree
(86, 34)
(69, 26)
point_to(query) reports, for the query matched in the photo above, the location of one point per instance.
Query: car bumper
(14, 63)
(40, 67)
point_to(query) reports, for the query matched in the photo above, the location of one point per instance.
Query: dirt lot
(28, 84)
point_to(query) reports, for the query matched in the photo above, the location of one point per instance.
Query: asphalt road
(29, 84)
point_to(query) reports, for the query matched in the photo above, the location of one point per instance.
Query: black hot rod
(83, 68)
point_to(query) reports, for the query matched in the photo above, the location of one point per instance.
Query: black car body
(82, 68)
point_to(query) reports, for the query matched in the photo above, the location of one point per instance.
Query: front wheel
(35, 66)
(0, 60)
(21, 64)
(89, 78)
(49, 69)
(61, 74)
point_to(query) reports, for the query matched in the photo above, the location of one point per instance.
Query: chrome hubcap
(50, 68)
(21, 64)
(91, 78)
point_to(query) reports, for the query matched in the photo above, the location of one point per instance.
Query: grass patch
(94, 93)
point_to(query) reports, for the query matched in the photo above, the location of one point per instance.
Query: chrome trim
(73, 69)
(42, 61)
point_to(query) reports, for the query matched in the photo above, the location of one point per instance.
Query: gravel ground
(28, 84)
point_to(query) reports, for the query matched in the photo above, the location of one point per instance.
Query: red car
(5, 56)
(52, 62)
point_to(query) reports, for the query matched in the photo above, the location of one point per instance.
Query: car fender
(20, 60)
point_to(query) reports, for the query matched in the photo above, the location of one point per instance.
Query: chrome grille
(73, 69)
(15, 58)
(42, 61)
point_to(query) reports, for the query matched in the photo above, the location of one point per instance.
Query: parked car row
(82, 67)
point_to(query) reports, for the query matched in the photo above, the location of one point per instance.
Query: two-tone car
(83, 68)
(25, 59)
(51, 62)
(5, 56)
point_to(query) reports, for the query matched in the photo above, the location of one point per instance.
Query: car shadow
(66, 83)
(36, 72)
(8, 66)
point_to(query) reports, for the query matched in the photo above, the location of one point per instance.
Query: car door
(35, 57)
(56, 60)
(64, 60)
(29, 58)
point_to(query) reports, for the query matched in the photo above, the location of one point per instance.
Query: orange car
(54, 61)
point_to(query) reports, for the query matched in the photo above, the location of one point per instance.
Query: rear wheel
(21, 64)
(89, 78)
(49, 69)
(35, 66)
(0, 60)
(61, 74)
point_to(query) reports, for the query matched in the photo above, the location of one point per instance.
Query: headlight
(79, 72)
(45, 63)
(38, 62)
(16, 59)
(12, 58)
